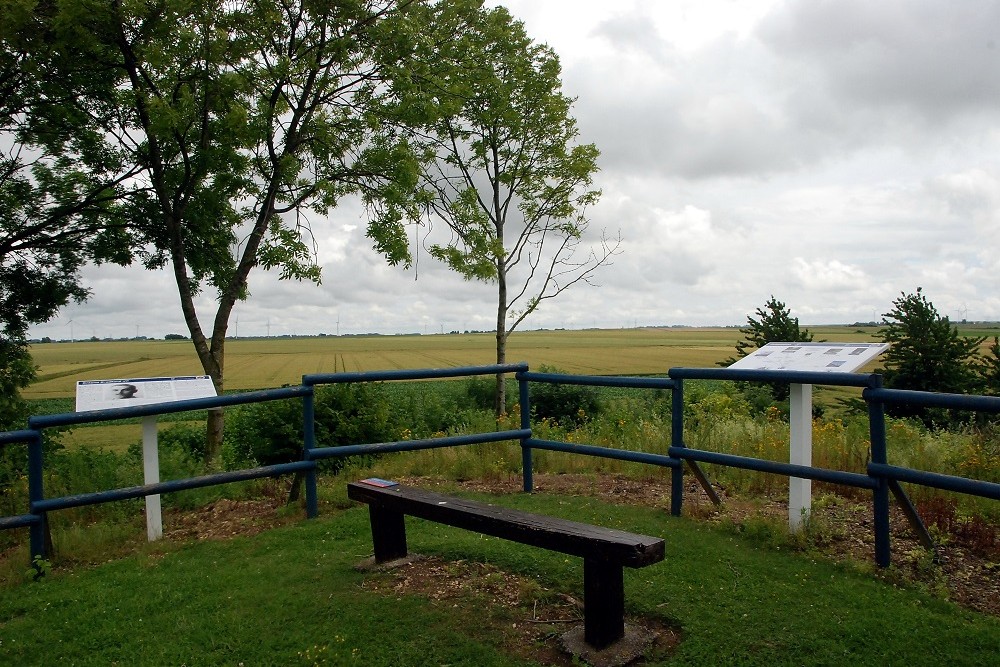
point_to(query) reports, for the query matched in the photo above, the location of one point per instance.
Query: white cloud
(828, 275)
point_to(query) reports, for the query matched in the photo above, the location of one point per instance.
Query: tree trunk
(500, 402)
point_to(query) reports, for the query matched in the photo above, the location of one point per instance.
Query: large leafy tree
(243, 120)
(509, 179)
(61, 191)
(774, 324)
(926, 353)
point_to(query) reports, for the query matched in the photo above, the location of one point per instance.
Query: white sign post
(151, 475)
(110, 394)
(814, 357)
(799, 453)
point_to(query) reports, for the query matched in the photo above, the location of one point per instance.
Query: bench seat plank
(569, 537)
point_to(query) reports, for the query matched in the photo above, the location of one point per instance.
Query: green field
(273, 362)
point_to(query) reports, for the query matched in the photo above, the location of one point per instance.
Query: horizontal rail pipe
(416, 374)
(339, 451)
(11, 437)
(70, 418)
(788, 469)
(599, 380)
(965, 485)
(758, 375)
(19, 521)
(127, 493)
(932, 400)
(604, 452)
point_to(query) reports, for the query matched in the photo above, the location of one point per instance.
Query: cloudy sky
(833, 154)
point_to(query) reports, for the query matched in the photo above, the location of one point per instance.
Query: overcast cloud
(833, 154)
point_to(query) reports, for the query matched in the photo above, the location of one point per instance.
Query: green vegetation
(927, 353)
(292, 596)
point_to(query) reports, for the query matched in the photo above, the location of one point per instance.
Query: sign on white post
(109, 394)
(799, 453)
(813, 357)
(151, 475)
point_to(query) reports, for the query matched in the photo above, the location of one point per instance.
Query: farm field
(265, 363)
(273, 362)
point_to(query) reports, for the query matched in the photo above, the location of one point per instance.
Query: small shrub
(565, 404)
(265, 433)
(346, 414)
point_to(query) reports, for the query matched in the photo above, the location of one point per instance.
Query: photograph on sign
(821, 357)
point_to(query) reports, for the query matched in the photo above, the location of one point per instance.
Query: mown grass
(292, 596)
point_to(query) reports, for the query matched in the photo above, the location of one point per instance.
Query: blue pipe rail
(776, 467)
(528, 444)
(604, 452)
(416, 374)
(878, 477)
(310, 451)
(342, 451)
(172, 486)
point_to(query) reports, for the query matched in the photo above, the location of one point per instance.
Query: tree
(774, 324)
(242, 121)
(988, 367)
(60, 192)
(507, 179)
(926, 353)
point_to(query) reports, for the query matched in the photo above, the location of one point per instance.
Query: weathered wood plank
(569, 537)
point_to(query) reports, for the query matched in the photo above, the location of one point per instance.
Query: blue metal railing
(880, 477)
(312, 453)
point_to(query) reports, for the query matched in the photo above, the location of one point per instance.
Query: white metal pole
(800, 452)
(151, 475)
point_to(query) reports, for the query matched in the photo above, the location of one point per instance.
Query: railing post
(677, 440)
(526, 458)
(880, 494)
(309, 442)
(35, 494)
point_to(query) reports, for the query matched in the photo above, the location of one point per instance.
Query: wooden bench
(604, 550)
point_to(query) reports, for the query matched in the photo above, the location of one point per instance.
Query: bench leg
(388, 533)
(603, 603)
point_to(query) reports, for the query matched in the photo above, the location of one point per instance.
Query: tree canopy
(926, 353)
(61, 191)
(232, 125)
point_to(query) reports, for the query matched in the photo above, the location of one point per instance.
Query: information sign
(822, 357)
(815, 357)
(106, 394)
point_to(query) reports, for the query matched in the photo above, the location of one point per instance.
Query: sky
(834, 155)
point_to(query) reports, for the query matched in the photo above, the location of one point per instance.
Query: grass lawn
(291, 596)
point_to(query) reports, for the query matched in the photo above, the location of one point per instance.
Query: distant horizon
(187, 336)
